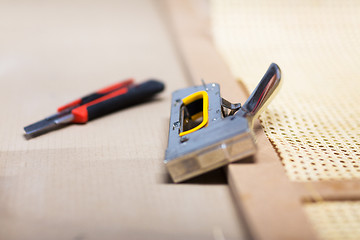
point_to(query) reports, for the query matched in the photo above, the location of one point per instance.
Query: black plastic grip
(91, 97)
(135, 95)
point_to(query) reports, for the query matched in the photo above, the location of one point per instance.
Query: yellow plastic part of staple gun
(204, 114)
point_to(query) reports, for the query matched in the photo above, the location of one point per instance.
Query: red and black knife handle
(117, 100)
(98, 94)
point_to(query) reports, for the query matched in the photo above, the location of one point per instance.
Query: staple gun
(207, 132)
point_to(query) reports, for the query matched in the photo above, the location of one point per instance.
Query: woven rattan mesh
(314, 122)
(335, 220)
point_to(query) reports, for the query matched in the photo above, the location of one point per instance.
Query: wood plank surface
(265, 197)
(104, 179)
(263, 194)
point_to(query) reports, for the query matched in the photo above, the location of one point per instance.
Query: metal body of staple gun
(207, 132)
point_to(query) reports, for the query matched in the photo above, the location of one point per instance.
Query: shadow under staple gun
(207, 132)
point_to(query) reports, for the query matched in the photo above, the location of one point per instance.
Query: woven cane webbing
(314, 122)
(335, 220)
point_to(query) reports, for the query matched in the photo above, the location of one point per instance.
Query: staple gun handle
(263, 93)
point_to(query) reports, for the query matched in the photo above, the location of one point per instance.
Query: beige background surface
(105, 179)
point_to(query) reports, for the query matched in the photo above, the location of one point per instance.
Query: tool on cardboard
(207, 132)
(104, 101)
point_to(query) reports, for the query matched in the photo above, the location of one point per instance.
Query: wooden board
(104, 179)
(265, 197)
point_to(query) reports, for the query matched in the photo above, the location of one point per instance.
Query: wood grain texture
(271, 204)
(104, 179)
(263, 194)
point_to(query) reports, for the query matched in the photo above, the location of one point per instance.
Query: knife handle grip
(96, 95)
(117, 100)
